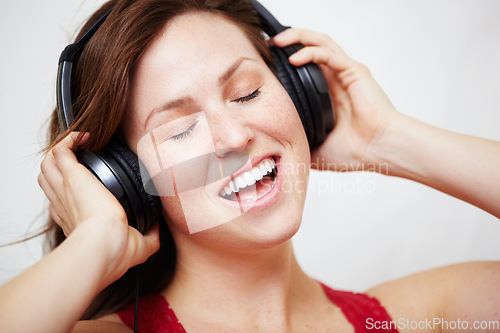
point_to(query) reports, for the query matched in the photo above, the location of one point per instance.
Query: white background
(437, 60)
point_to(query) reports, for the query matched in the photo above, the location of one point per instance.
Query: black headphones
(117, 167)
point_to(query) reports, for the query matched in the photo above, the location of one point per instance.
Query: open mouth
(254, 184)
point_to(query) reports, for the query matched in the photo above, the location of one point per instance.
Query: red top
(155, 315)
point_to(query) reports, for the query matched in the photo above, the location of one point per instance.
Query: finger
(340, 97)
(336, 61)
(63, 155)
(305, 37)
(73, 139)
(54, 213)
(152, 239)
(55, 216)
(66, 162)
(46, 188)
(48, 165)
(147, 244)
(51, 173)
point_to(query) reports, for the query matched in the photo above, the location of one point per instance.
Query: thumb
(147, 244)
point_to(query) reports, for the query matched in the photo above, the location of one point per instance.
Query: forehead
(194, 44)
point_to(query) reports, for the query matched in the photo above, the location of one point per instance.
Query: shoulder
(468, 290)
(108, 323)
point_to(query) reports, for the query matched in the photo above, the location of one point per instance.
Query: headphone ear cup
(287, 73)
(146, 208)
(117, 167)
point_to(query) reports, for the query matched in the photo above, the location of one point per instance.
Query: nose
(230, 131)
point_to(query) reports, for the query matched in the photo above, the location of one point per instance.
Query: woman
(240, 275)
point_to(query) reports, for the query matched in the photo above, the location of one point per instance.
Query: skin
(175, 66)
(266, 291)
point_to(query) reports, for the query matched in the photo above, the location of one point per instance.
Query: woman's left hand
(370, 135)
(361, 108)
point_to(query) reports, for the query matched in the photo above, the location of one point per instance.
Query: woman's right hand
(79, 203)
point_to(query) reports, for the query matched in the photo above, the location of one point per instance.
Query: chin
(262, 230)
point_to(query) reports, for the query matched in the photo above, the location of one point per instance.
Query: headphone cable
(136, 301)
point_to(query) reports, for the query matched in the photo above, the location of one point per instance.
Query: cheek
(283, 121)
(187, 211)
(179, 166)
(285, 125)
(183, 213)
(194, 211)
(172, 211)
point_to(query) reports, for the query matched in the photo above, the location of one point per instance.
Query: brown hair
(101, 87)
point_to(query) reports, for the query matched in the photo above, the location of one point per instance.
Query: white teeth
(250, 177)
(240, 181)
(257, 174)
(263, 168)
(268, 166)
(233, 187)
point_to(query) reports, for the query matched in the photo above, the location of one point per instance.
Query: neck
(264, 288)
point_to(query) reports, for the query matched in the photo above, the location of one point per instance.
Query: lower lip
(264, 201)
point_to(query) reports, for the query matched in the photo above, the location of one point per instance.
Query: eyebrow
(179, 102)
(230, 71)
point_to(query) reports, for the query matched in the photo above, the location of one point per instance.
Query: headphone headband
(270, 24)
(64, 75)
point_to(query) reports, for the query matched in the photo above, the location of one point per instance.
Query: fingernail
(84, 138)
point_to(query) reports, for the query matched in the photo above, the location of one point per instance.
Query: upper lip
(253, 162)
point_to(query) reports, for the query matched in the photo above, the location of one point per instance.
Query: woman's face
(205, 109)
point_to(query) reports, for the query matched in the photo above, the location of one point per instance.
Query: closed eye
(184, 134)
(247, 98)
